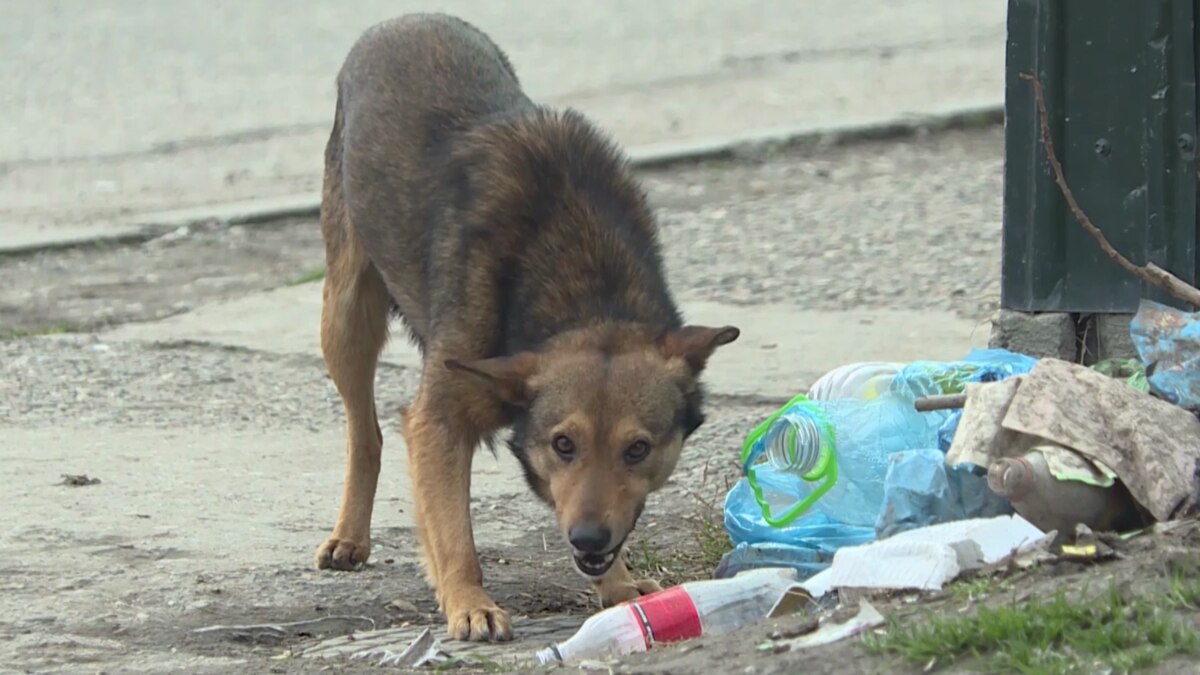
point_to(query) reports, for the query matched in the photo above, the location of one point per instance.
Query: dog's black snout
(590, 538)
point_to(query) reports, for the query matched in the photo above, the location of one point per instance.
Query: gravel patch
(910, 224)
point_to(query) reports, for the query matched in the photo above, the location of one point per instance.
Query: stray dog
(524, 261)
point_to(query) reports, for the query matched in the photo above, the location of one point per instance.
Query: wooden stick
(943, 402)
(1150, 273)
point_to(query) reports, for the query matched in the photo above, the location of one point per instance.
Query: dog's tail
(334, 212)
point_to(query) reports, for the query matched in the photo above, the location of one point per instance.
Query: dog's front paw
(342, 554)
(472, 615)
(616, 592)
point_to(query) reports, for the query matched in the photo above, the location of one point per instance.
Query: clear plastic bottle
(837, 450)
(864, 381)
(681, 612)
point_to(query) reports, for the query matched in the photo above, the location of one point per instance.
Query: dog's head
(603, 414)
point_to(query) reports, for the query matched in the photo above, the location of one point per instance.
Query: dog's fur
(524, 261)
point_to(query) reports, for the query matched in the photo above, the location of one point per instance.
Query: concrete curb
(655, 156)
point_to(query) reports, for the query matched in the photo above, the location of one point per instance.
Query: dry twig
(1149, 272)
(941, 402)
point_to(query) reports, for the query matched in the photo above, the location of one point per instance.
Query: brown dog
(523, 259)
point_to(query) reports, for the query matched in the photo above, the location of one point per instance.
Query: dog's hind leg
(353, 332)
(354, 324)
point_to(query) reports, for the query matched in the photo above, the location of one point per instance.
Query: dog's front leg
(618, 585)
(439, 461)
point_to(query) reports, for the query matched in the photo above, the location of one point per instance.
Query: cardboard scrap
(980, 436)
(1152, 446)
(831, 631)
(793, 601)
(928, 557)
(903, 564)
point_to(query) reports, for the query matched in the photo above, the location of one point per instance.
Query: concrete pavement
(781, 352)
(119, 110)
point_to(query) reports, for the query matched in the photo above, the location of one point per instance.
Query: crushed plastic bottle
(834, 453)
(678, 613)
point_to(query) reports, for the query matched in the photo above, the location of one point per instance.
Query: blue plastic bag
(921, 490)
(806, 544)
(1168, 342)
(980, 365)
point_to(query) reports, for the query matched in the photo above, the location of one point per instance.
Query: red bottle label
(667, 616)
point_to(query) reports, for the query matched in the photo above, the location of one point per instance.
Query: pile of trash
(904, 476)
(891, 476)
(874, 450)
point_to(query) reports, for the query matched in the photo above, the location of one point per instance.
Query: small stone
(403, 607)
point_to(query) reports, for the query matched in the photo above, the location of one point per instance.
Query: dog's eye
(565, 447)
(637, 452)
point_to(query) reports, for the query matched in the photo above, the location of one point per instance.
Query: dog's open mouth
(593, 564)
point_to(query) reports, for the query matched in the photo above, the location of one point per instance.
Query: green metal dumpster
(1120, 87)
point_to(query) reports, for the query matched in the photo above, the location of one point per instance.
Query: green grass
(14, 333)
(691, 560)
(1121, 631)
(646, 561)
(712, 541)
(315, 274)
(972, 589)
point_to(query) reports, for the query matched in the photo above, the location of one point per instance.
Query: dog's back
(453, 181)
(406, 87)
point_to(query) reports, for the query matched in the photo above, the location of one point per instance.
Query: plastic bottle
(864, 381)
(1057, 504)
(678, 613)
(834, 444)
(834, 453)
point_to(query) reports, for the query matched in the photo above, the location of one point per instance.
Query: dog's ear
(694, 344)
(507, 376)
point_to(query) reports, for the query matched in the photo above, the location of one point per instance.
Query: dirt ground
(217, 469)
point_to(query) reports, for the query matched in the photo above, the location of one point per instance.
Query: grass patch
(1117, 630)
(712, 541)
(703, 544)
(14, 333)
(315, 274)
(647, 561)
(970, 590)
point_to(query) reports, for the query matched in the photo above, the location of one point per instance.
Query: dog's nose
(590, 538)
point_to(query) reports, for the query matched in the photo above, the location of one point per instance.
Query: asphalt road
(118, 107)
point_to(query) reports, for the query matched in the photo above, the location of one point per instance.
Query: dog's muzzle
(594, 564)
